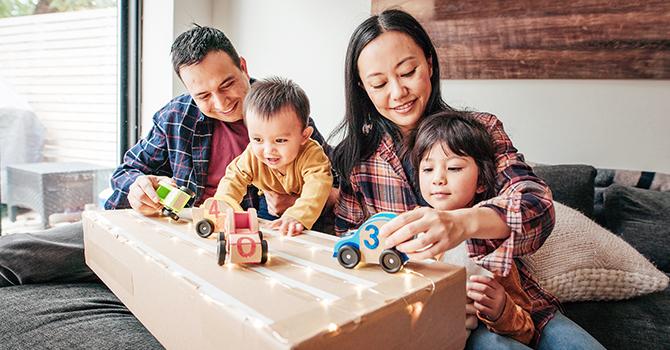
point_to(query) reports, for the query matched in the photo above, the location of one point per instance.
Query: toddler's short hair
(269, 96)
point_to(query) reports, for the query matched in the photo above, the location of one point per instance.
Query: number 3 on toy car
(373, 236)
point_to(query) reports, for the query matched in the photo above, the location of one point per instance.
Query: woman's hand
(488, 295)
(443, 230)
(142, 193)
(278, 203)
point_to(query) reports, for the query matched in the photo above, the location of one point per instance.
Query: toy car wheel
(348, 256)
(264, 247)
(391, 261)
(204, 228)
(170, 213)
(187, 191)
(221, 249)
(260, 234)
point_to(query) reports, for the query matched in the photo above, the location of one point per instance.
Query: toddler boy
(280, 156)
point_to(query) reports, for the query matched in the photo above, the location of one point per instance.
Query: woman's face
(396, 75)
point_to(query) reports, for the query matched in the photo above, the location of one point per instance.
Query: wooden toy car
(364, 245)
(241, 242)
(173, 199)
(210, 217)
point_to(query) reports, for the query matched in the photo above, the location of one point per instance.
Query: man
(195, 128)
(189, 133)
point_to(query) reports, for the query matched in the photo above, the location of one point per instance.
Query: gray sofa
(636, 207)
(87, 315)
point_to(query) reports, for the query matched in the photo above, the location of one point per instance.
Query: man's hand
(278, 203)
(287, 226)
(142, 193)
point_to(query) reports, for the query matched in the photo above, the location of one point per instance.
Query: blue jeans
(559, 333)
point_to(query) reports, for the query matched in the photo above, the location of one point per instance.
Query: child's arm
(497, 309)
(315, 172)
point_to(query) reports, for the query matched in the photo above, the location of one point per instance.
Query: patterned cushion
(583, 261)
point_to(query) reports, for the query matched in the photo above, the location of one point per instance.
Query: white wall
(620, 124)
(606, 123)
(303, 40)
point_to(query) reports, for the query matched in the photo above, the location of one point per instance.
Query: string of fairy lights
(214, 295)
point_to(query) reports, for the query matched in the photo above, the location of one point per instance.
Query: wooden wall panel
(542, 39)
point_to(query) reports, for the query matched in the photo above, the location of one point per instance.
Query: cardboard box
(300, 299)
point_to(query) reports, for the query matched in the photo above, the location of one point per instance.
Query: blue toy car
(364, 245)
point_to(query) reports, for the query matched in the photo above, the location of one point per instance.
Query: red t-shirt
(228, 141)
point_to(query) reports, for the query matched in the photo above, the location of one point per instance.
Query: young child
(280, 157)
(455, 162)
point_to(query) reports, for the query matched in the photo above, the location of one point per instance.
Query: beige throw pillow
(584, 261)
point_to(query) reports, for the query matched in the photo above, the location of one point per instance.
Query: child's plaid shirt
(379, 184)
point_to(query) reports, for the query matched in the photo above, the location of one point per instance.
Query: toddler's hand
(489, 296)
(287, 226)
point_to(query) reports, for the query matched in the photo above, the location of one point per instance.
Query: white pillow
(584, 261)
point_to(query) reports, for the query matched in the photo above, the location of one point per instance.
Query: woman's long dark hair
(363, 127)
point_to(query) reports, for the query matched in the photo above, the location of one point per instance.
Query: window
(59, 61)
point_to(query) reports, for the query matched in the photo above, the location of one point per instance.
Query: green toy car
(173, 199)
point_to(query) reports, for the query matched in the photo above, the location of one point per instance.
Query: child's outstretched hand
(489, 296)
(287, 226)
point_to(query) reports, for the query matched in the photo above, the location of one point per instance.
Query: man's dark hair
(269, 96)
(193, 45)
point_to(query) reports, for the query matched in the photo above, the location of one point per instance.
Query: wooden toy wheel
(187, 191)
(391, 260)
(170, 213)
(348, 256)
(264, 247)
(221, 249)
(204, 228)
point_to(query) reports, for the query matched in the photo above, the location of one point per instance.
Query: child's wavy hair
(464, 136)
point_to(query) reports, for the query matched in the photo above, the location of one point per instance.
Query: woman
(392, 81)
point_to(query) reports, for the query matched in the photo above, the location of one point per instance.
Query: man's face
(217, 85)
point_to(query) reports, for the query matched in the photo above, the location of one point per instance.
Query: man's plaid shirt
(380, 184)
(177, 146)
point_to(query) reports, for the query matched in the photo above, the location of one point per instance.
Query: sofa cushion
(68, 316)
(642, 218)
(570, 184)
(640, 323)
(583, 261)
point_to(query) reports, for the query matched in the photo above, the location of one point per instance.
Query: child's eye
(427, 170)
(281, 140)
(453, 168)
(256, 139)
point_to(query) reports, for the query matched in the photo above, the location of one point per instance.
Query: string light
(415, 309)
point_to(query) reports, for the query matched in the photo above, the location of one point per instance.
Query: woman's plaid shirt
(379, 184)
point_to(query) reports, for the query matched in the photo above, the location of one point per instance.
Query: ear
(481, 189)
(306, 133)
(243, 66)
(430, 66)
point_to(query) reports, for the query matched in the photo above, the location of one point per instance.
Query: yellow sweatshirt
(308, 176)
